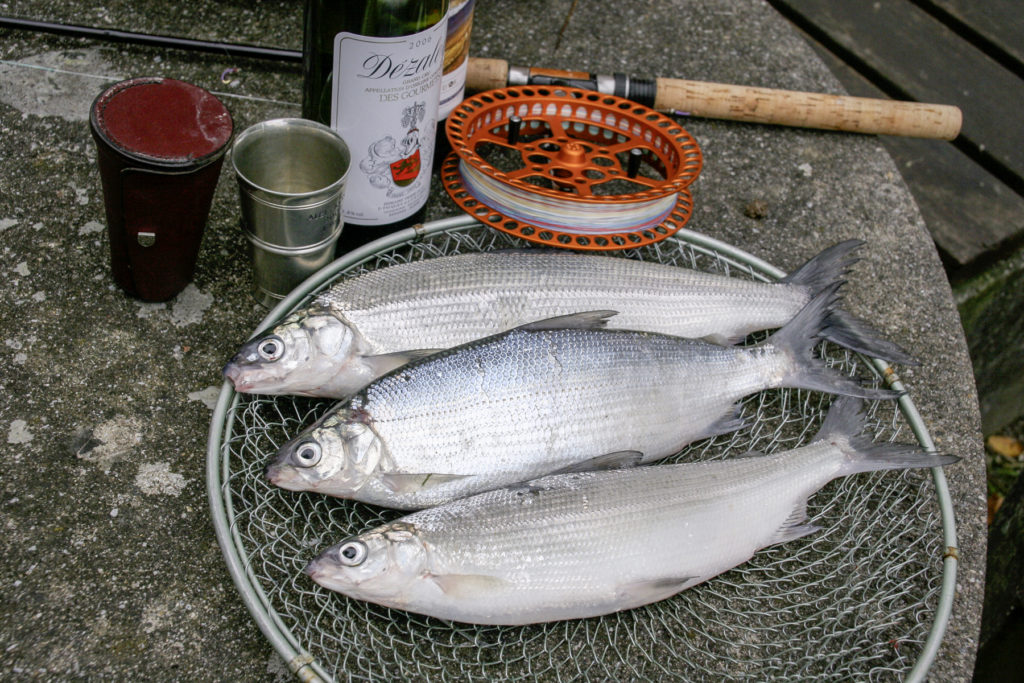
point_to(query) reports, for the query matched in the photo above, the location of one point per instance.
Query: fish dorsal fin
(384, 363)
(652, 590)
(586, 320)
(410, 483)
(721, 339)
(467, 585)
(527, 250)
(619, 460)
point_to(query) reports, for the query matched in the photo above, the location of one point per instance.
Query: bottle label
(384, 105)
(456, 55)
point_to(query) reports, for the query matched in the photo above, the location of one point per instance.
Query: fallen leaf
(995, 501)
(1005, 445)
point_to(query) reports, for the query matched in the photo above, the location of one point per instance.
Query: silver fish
(584, 544)
(543, 397)
(368, 325)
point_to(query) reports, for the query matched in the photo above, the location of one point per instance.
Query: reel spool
(570, 168)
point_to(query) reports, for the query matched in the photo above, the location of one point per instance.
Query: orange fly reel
(570, 168)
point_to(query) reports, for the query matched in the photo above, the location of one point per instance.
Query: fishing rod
(671, 95)
(115, 36)
(738, 102)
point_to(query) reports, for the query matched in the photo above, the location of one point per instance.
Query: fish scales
(439, 303)
(551, 395)
(499, 530)
(586, 391)
(584, 544)
(367, 325)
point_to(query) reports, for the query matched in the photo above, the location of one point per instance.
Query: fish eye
(352, 554)
(270, 348)
(307, 454)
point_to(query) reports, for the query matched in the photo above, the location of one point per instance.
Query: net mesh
(853, 601)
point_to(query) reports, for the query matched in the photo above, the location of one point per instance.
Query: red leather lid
(162, 120)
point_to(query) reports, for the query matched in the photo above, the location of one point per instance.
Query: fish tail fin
(798, 339)
(826, 269)
(855, 334)
(845, 426)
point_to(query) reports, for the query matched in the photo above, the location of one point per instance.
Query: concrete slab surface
(109, 568)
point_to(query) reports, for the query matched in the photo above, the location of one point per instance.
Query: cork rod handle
(808, 110)
(486, 74)
(766, 105)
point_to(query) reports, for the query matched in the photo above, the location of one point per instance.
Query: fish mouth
(244, 380)
(234, 374)
(325, 573)
(280, 476)
(319, 570)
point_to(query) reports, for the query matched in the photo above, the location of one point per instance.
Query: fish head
(305, 355)
(380, 565)
(336, 456)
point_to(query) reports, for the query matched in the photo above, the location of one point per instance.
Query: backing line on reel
(570, 168)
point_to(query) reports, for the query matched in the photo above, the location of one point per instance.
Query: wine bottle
(456, 62)
(372, 71)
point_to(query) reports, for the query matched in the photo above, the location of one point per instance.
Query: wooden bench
(971, 196)
(957, 52)
(970, 191)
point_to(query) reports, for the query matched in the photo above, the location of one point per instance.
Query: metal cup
(291, 178)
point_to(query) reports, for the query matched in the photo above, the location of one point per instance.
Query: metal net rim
(237, 556)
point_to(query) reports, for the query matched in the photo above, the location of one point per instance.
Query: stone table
(110, 567)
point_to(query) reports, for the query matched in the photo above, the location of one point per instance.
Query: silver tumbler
(291, 179)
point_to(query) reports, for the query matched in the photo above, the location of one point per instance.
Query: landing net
(855, 601)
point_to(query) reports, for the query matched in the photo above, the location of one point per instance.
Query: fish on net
(855, 600)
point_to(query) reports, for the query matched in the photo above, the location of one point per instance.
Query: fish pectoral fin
(585, 320)
(467, 585)
(618, 460)
(384, 363)
(652, 590)
(409, 483)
